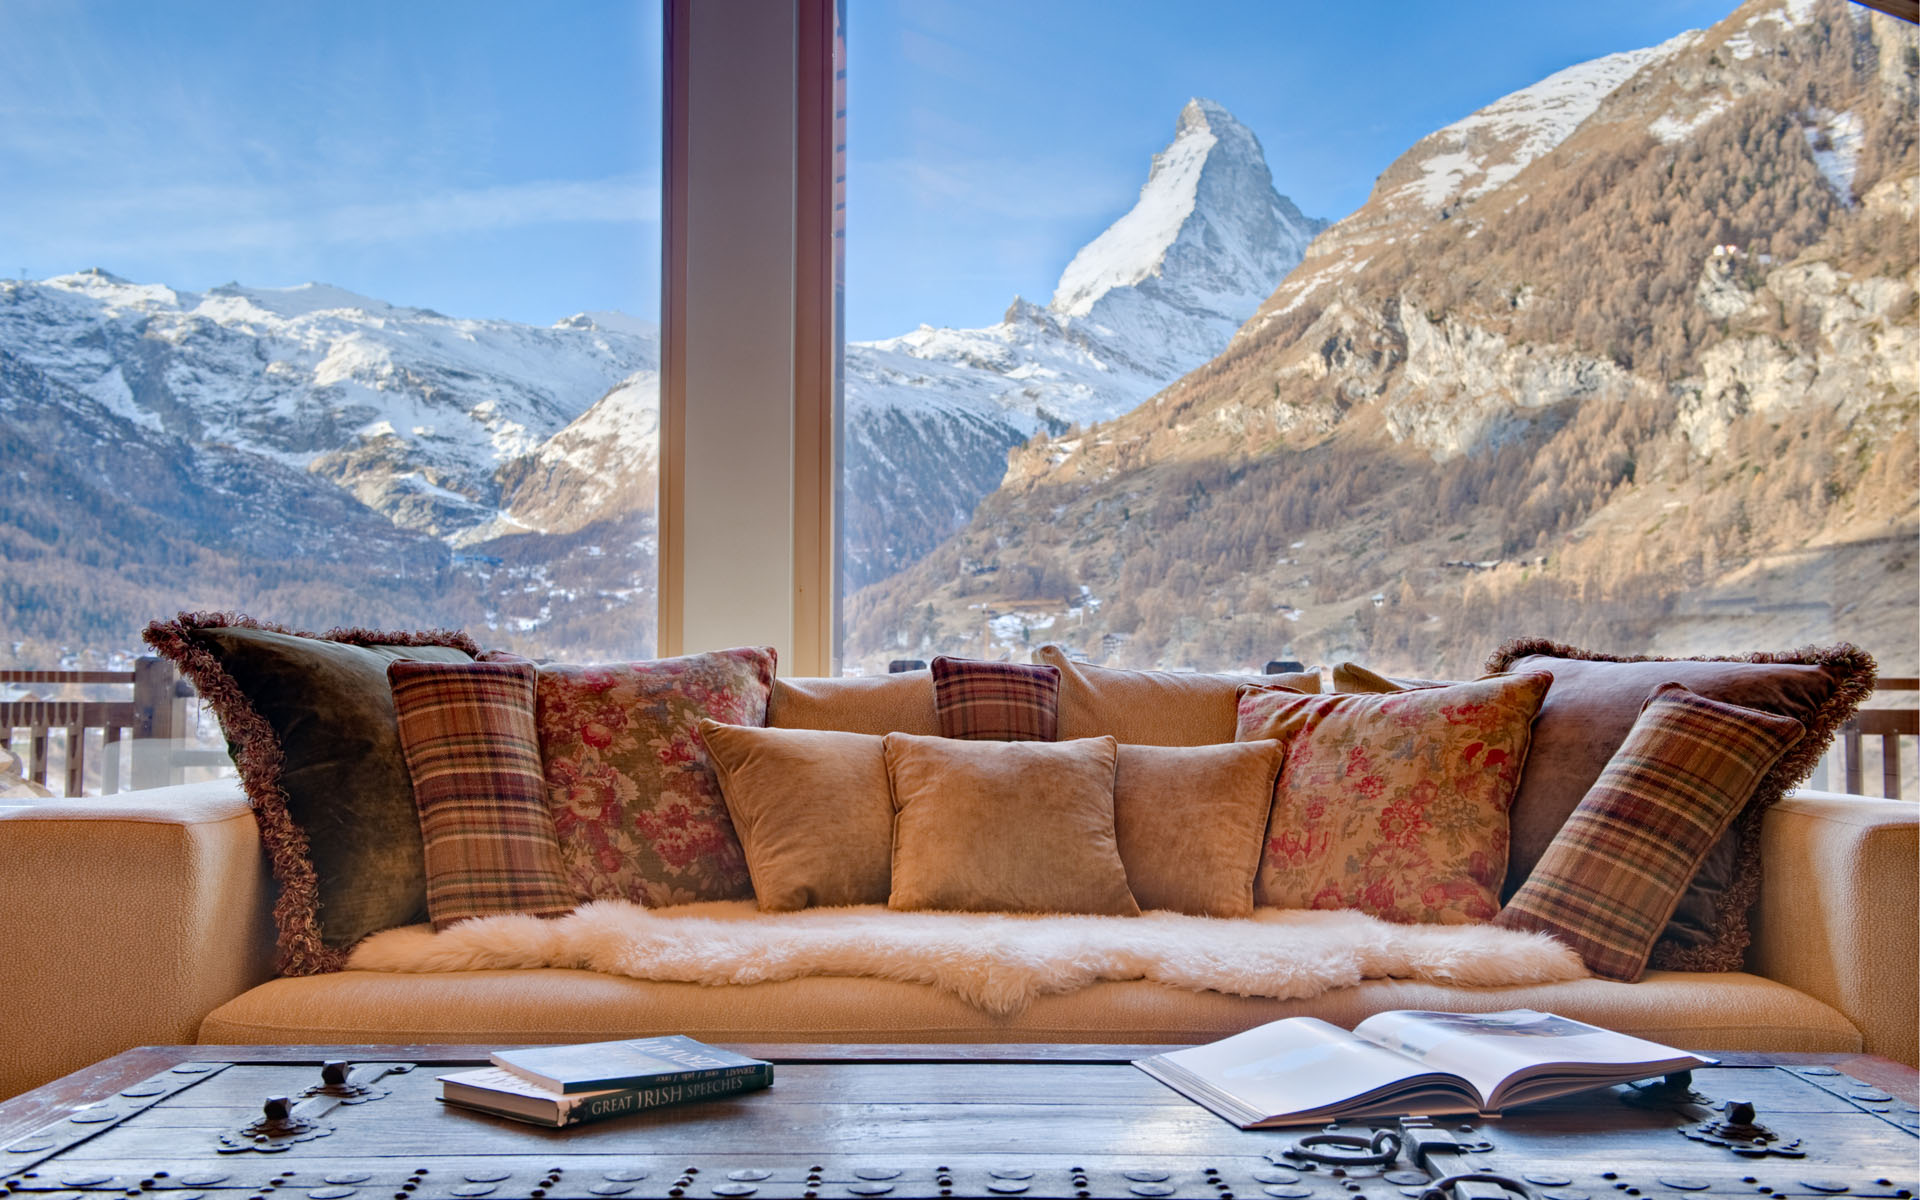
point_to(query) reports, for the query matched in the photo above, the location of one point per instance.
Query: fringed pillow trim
(1856, 670)
(258, 756)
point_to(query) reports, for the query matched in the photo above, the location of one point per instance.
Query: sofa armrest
(1838, 917)
(124, 920)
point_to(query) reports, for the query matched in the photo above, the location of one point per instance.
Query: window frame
(753, 108)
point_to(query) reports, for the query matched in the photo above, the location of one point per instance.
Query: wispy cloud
(1027, 190)
(202, 218)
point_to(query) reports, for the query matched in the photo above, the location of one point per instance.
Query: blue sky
(483, 159)
(495, 159)
(994, 155)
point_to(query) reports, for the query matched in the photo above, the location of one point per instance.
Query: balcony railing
(140, 741)
(1889, 726)
(145, 740)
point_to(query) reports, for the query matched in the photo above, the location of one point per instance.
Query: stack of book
(568, 1085)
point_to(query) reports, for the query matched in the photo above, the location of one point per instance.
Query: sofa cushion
(894, 703)
(1394, 804)
(1005, 826)
(1699, 1012)
(635, 799)
(309, 721)
(1595, 700)
(1614, 872)
(812, 810)
(1153, 708)
(468, 735)
(995, 701)
(1191, 821)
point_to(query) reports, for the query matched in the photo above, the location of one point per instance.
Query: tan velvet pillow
(1154, 708)
(812, 809)
(876, 704)
(1192, 821)
(1005, 826)
(1354, 679)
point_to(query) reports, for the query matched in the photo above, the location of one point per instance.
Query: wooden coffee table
(920, 1121)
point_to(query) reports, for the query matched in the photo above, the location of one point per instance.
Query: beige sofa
(144, 918)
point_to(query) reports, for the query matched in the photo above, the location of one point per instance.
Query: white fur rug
(997, 962)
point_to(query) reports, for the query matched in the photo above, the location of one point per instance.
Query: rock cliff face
(1636, 339)
(931, 414)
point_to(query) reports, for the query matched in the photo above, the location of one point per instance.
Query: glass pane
(337, 315)
(1212, 337)
(334, 315)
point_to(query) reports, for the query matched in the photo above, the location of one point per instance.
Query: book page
(1296, 1065)
(1490, 1049)
(496, 1079)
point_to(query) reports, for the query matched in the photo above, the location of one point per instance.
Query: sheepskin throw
(998, 962)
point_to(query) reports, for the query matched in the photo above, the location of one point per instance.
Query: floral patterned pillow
(635, 799)
(1395, 805)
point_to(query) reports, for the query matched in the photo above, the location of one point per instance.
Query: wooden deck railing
(1887, 724)
(151, 725)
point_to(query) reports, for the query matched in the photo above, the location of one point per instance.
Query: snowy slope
(1461, 163)
(410, 410)
(604, 464)
(1479, 153)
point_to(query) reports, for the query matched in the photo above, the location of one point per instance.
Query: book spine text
(661, 1095)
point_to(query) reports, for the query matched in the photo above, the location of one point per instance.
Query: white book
(1303, 1070)
(506, 1094)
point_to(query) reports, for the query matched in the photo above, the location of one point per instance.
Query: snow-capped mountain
(322, 456)
(1627, 358)
(410, 410)
(604, 463)
(1478, 153)
(1158, 293)
(1168, 283)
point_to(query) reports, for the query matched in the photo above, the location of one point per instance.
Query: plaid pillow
(1613, 874)
(1595, 701)
(996, 702)
(467, 731)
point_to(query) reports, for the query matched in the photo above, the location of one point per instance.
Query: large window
(1179, 338)
(336, 315)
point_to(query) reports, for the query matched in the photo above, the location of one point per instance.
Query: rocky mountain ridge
(1573, 346)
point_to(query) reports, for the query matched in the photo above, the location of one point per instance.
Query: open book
(1302, 1070)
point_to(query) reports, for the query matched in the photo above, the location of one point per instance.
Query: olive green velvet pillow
(310, 723)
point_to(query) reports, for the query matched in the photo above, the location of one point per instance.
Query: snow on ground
(1010, 627)
(1671, 128)
(478, 389)
(1842, 134)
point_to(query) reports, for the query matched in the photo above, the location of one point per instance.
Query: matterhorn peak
(1204, 116)
(1207, 229)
